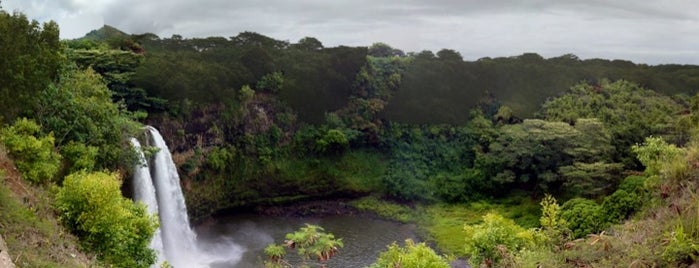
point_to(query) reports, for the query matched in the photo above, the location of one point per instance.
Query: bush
(486, 242)
(634, 184)
(80, 156)
(334, 141)
(583, 216)
(620, 205)
(655, 152)
(552, 225)
(34, 154)
(91, 205)
(411, 256)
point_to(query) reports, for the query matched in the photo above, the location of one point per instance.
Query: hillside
(29, 225)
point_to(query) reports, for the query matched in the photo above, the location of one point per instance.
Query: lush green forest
(478, 153)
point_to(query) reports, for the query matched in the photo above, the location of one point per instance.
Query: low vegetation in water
(313, 245)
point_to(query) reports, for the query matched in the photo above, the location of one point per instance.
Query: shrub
(334, 141)
(79, 156)
(552, 225)
(486, 241)
(655, 152)
(634, 184)
(34, 154)
(118, 230)
(411, 256)
(583, 216)
(620, 205)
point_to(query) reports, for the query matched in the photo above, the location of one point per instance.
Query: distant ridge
(105, 33)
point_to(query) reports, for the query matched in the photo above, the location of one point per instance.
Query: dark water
(364, 238)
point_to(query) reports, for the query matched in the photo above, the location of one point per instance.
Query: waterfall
(178, 238)
(144, 191)
(158, 186)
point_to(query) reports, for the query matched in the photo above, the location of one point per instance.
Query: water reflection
(364, 238)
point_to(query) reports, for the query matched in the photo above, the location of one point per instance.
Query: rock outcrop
(5, 260)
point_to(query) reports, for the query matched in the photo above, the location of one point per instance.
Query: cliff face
(5, 260)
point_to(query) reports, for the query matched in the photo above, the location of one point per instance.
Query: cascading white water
(144, 191)
(158, 186)
(179, 241)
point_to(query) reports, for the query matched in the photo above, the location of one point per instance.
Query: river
(364, 238)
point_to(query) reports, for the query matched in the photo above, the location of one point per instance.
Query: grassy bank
(443, 224)
(30, 227)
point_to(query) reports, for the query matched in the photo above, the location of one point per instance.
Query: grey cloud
(660, 31)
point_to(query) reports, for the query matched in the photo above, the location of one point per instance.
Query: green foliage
(308, 44)
(117, 67)
(358, 171)
(483, 240)
(681, 248)
(275, 255)
(383, 50)
(310, 242)
(655, 152)
(583, 217)
(447, 89)
(431, 162)
(634, 184)
(31, 59)
(219, 158)
(245, 94)
(29, 226)
(620, 205)
(385, 209)
(412, 255)
(630, 113)
(539, 257)
(551, 214)
(333, 142)
(445, 222)
(91, 205)
(34, 154)
(272, 82)
(79, 156)
(548, 155)
(80, 109)
(590, 179)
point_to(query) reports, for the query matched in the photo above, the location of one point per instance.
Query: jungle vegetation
(511, 161)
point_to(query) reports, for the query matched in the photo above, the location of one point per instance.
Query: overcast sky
(652, 32)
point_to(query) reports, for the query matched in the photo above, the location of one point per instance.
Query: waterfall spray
(158, 186)
(179, 241)
(144, 191)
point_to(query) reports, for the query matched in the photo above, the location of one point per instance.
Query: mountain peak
(104, 33)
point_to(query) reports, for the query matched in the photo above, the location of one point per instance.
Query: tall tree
(30, 62)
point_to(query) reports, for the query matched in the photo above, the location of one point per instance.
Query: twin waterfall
(157, 184)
